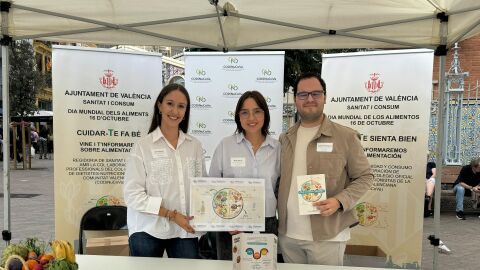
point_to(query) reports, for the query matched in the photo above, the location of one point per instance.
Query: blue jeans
(459, 195)
(142, 244)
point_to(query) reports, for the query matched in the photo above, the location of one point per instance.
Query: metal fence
(466, 114)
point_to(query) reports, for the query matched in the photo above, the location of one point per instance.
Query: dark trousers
(142, 244)
(43, 144)
(224, 239)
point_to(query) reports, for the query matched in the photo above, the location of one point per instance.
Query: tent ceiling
(267, 24)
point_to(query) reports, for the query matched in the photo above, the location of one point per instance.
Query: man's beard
(310, 117)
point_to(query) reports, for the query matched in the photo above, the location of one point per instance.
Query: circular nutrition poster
(311, 191)
(227, 203)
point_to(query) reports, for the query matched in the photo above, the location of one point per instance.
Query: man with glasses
(468, 182)
(316, 145)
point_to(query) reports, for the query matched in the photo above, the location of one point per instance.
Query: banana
(58, 250)
(70, 253)
(65, 247)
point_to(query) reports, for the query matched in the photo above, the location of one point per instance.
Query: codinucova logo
(267, 99)
(230, 119)
(200, 128)
(200, 76)
(200, 103)
(270, 105)
(266, 76)
(232, 86)
(232, 64)
(233, 91)
(201, 99)
(201, 125)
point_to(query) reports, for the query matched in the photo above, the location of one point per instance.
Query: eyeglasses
(315, 94)
(257, 113)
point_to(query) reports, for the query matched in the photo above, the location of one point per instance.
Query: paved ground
(33, 215)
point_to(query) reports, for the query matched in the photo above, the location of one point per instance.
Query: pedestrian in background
(43, 141)
(34, 138)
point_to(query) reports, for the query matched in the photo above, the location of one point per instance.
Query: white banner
(386, 97)
(216, 81)
(103, 101)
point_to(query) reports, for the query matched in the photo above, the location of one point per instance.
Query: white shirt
(159, 175)
(264, 164)
(299, 226)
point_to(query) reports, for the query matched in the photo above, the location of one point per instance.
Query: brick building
(469, 53)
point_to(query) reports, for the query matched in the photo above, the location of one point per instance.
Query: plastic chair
(102, 218)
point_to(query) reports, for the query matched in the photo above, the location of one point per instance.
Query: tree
(298, 62)
(25, 79)
(302, 61)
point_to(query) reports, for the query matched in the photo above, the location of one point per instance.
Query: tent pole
(104, 28)
(463, 10)
(318, 35)
(116, 26)
(5, 41)
(215, 3)
(440, 148)
(462, 35)
(339, 32)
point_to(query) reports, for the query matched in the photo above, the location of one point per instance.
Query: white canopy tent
(243, 24)
(246, 24)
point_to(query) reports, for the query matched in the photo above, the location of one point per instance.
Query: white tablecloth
(95, 262)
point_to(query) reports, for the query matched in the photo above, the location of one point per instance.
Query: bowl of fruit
(35, 254)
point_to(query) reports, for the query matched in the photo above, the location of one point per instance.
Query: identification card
(159, 153)
(237, 162)
(325, 147)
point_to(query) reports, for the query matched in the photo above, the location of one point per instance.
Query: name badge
(325, 147)
(237, 162)
(159, 153)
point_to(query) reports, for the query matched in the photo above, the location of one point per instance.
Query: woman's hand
(183, 222)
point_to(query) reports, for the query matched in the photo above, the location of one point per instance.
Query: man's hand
(328, 206)
(476, 189)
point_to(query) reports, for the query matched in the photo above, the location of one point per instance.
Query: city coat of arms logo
(108, 80)
(374, 84)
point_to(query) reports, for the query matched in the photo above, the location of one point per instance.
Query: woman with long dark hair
(157, 181)
(256, 155)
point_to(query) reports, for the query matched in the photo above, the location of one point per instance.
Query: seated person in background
(430, 185)
(468, 182)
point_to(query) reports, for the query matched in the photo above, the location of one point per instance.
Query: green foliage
(25, 79)
(61, 265)
(298, 62)
(36, 245)
(17, 249)
(302, 61)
